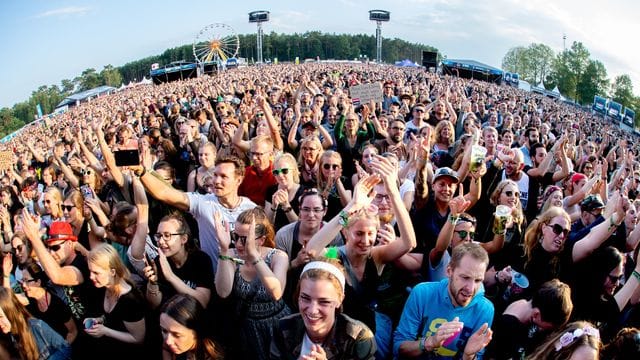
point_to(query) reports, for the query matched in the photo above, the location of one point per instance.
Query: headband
(567, 338)
(321, 265)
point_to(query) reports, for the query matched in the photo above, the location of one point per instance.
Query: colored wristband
(636, 275)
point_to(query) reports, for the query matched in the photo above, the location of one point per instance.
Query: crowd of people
(262, 213)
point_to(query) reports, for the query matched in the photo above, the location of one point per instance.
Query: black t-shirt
(509, 338)
(79, 298)
(197, 271)
(281, 218)
(545, 266)
(56, 316)
(131, 307)
(427, 223)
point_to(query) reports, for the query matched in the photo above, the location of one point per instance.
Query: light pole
(259, 17)
(379, 16)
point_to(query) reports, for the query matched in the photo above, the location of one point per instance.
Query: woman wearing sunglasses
(255, 273)
(44, 305)
(332, 185)
(309, 160)
(547, 253)
(281, 204)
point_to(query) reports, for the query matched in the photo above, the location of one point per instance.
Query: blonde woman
(281, 204)
(120, 330)
(445, 136)
(206, 159)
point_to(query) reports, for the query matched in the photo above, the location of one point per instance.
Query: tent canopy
(87, 94)
(471, 69)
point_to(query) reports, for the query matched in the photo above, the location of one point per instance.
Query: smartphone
(127, 157)
(87, 193)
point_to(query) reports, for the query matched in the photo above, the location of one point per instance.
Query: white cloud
(69, 10)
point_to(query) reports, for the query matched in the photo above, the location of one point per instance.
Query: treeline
(576, 74)
(285, 47)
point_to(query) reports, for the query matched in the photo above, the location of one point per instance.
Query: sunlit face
(59, 250)
(351, 122)
(513, 167)
(100, 276)
(312, 210)
(5, 197)
(445, 133)
(50, 203)
(20, 249)
(383, 202)
(262, 128)
(612, 281)
(541, 153)
(318, 302)
(206, 156)
(47, 178)
(509, 196)
(631, 216)
(556, 198)
(70, 211)
(225, 179)
(280, 167)
(552, 242)
(261, 155)
(362, 236)
(490, 139)
(310, 151)
(368, 156)
(462, 233)
(29, 284)
(177, 337)
(331, 168)
(507, 139)
(465, 280)
(173, 243)
(444, 188)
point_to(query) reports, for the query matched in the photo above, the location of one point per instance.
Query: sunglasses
(615, 279)
(463, 234)
(558, 229)
(67, 207)
(418, 110)
(28, 281)
(510, 193)
(54, 248)
(283, 171)
(85, 172)
(259, 115)
(330, 166)
(235, 238)
(18, 248)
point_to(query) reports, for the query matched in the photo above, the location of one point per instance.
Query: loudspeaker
(429, 59)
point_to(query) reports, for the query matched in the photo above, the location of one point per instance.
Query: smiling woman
(320, 329)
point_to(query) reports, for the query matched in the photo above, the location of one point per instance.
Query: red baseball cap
(60, 230)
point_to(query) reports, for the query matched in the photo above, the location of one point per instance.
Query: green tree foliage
(592, 82)
(622, 90)
(533, 63)
(111, 76)
(89, 79)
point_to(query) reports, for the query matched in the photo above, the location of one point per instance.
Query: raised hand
(221, 230)
(363, 192)
(251, 248)
(387, 171)
(459, 204)
(478, 340)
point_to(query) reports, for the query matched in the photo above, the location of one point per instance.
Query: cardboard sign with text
(362, 94)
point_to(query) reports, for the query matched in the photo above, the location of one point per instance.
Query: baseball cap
(60, 230)
(577, 177)
(591, 202)
(310, 124)
(446, 172)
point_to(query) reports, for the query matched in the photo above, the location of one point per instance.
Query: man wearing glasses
(67, 268)
(418, 121)
(393, 142)
(258, 176)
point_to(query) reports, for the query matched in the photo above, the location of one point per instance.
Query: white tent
(145, 81)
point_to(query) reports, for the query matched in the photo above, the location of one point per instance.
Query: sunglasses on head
(558, 229)
(283, 171)
(330, 166)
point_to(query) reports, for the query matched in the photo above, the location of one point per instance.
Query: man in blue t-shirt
(450, 318)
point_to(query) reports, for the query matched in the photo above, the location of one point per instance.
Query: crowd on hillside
(260, 214)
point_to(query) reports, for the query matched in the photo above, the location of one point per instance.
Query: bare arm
(164, 192)
(142, 228)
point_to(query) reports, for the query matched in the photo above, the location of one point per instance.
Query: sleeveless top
(254, 301)
(359, 295)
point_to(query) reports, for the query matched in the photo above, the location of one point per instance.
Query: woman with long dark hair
(184, 330)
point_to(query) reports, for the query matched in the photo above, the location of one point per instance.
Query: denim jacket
(50, 344)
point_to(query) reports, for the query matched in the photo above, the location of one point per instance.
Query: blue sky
(47, 41)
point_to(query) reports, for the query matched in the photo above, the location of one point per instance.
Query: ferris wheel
(216, 42)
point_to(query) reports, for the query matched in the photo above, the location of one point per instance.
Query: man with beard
(442, 111)
(449, 318)
(418, 121)
(393, 142)
(258, 176)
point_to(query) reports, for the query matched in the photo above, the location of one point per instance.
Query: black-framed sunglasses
(55, 247)
(283, 171)
(67, 207)
(558, 229)
(463, 234)
(19, 248)
(235, 238)
(330, 166)
(510, 193)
